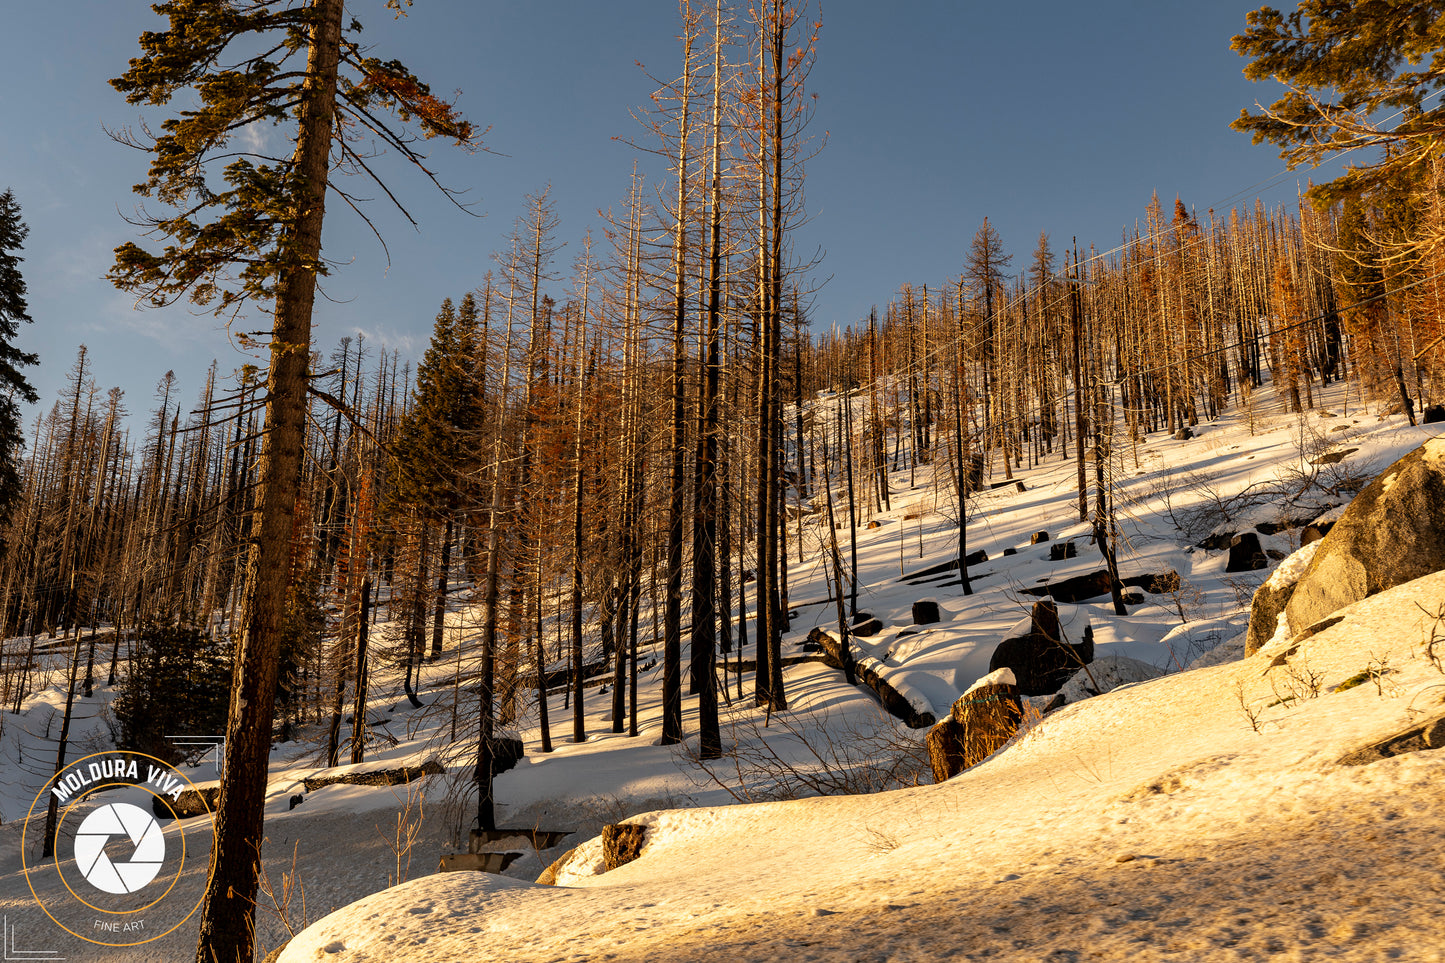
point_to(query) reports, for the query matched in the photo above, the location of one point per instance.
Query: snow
(1004, 676)
(1434, 453)
(1199, 815)
(1294, 565)
(1151, 821)
(1106, 675)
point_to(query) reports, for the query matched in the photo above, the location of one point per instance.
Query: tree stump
(925, 612)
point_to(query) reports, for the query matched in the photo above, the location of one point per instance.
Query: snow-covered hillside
(1201, 815)
(1152, 823)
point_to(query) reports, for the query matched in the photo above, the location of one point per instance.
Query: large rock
(374, 777)
(1216, 541)
(946, 750)
(988, 715)
(1040, 659)
(191, 802)
(1105, 675)
(1271, 598)
(1332, 457)
(1393, 532)
(1426, 735)
(622, 843)
(1071, 591)
(506, 753)
(549, 875)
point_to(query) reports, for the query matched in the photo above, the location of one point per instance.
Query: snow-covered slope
(1182, 818)
(1154, 822)
(1202, 815)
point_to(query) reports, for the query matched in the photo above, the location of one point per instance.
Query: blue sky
(1043, 116)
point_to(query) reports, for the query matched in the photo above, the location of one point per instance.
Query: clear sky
(1043, 116)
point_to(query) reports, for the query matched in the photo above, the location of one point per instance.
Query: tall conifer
(13, 310)
(253, 234)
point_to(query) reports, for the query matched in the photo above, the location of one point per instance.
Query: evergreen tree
(254, 234)
(436, 453)
(1341, 64)
(171, 687)
(13, 310)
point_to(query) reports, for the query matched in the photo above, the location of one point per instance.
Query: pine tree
(255, 235)
(435, 453)
(437, 459)
(13, 310)
(1341, 64)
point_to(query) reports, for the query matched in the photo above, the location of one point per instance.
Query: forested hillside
(544, 409)
(627, 445)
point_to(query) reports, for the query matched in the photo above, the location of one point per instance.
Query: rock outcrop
(946, 750)
(987, 716)
(549, 875)
(1073, 590)
(1393, 532)
(622, 843)
(1271, 598)
(1106, 674)
(374, 777)
(192, 802)
(1418, 737)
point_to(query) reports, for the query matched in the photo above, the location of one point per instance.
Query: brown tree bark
(227, 924)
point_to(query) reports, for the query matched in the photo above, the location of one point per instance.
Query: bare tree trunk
(358, 704)
(579, 722)
(52, 812)
(1077, 321)
(672, 617)
(704, 587)
(439, 616)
